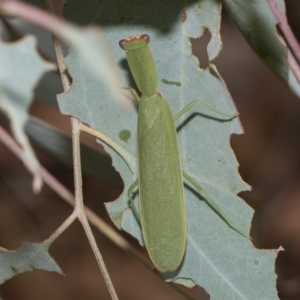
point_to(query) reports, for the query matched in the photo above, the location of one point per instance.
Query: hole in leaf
(199, 48)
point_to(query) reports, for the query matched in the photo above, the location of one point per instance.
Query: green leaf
(217, 258)
(258, 25)
(28, 257)
(22, 67)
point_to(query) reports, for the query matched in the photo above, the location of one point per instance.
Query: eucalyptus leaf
(217, 258)
(21, 69)
(50, 84)
(258, 25)
(29, 257)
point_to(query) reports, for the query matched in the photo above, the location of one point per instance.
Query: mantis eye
(146, 38)
(122, 43)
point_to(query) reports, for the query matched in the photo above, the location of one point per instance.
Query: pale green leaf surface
(50, 84)
(21, 69)
(29, 257)
(217, 258)
(258, 25)
(90, 44)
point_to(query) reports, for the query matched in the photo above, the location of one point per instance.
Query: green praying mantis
(162, 214)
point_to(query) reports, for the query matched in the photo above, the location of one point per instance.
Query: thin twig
(288, 36)
(79, 208)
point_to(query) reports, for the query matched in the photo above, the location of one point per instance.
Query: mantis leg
(190, 105)
(212, 203)
(130, 193)
(134, 93)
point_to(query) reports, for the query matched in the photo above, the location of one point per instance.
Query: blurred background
(268, 154)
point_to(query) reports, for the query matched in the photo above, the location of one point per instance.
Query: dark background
(268, 154)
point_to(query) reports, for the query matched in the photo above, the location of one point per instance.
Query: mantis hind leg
(131, 203)
(212, 203)
(190, 105)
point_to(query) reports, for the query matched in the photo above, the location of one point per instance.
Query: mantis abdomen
(162, 204)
